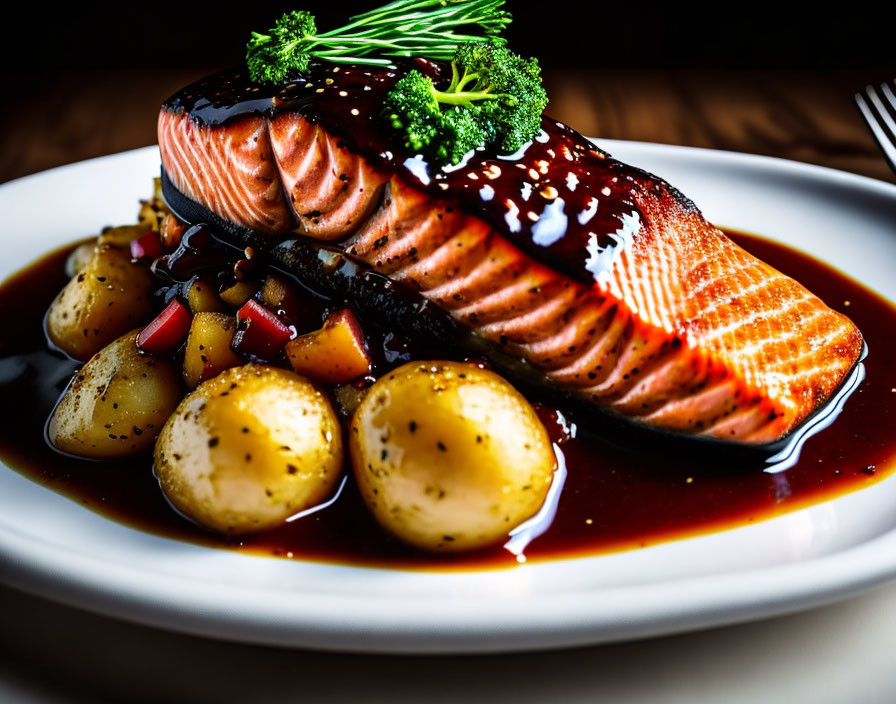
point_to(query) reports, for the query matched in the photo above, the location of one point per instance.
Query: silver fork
(879, 117)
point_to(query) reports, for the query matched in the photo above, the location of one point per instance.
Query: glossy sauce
(555, 198)
(612, 499)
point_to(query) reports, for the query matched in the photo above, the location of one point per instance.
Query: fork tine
(874, 123)
(885, 87)
(881, 108)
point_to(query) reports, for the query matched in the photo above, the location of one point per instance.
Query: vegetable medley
(253, 394)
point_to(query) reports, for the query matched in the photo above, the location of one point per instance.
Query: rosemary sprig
(430, 28)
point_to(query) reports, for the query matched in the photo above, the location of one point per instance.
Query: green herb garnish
(495, 98)
(429, 28)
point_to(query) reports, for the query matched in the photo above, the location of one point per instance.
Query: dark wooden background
(767, 78)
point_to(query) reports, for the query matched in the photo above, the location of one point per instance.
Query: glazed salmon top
(560, 198)
(602, 277)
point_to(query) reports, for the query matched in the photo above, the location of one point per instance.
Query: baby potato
(107, 298)
(122, 235)
(79, 258)
(248, 449)
(152, 214)
(116, 404)
(448, 456)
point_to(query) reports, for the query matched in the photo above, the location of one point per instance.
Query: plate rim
(127, 593)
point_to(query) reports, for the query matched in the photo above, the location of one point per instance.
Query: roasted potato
(334, 354)
(110, 296)
(449, 456)
(122, 235)
(208, 350)
(172, 231)
(348, 397)
(117, 404)
(153, 211)
(203, 296)
(240, 292)
(282, 296)
(79, 258)
(248, 449)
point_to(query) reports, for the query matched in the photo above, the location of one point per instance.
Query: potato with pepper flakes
(116, 404)
(122, 235)
(79, 258)
(449, 456)
(109, 296)
(153, 212)
(248, 449)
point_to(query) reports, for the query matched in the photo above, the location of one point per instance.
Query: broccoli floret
(495, 98)
(271, 58)
(491, 70)
(444, 135)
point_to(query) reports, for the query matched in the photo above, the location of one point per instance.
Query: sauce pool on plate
(613, 499)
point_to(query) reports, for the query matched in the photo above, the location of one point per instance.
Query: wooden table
(840, 653)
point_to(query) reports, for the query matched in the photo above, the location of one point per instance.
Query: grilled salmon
(604, 279)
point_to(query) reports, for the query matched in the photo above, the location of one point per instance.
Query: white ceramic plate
(54, 547)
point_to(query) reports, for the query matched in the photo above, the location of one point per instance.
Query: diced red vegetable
(259, 332)
(169, 329)
(148, 246)
(334, 354)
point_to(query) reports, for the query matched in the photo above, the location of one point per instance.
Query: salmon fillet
(678, 327)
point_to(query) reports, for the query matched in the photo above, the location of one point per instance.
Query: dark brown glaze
(613, 499)
(559, 198)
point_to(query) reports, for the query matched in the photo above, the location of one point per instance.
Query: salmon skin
(602, 281)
